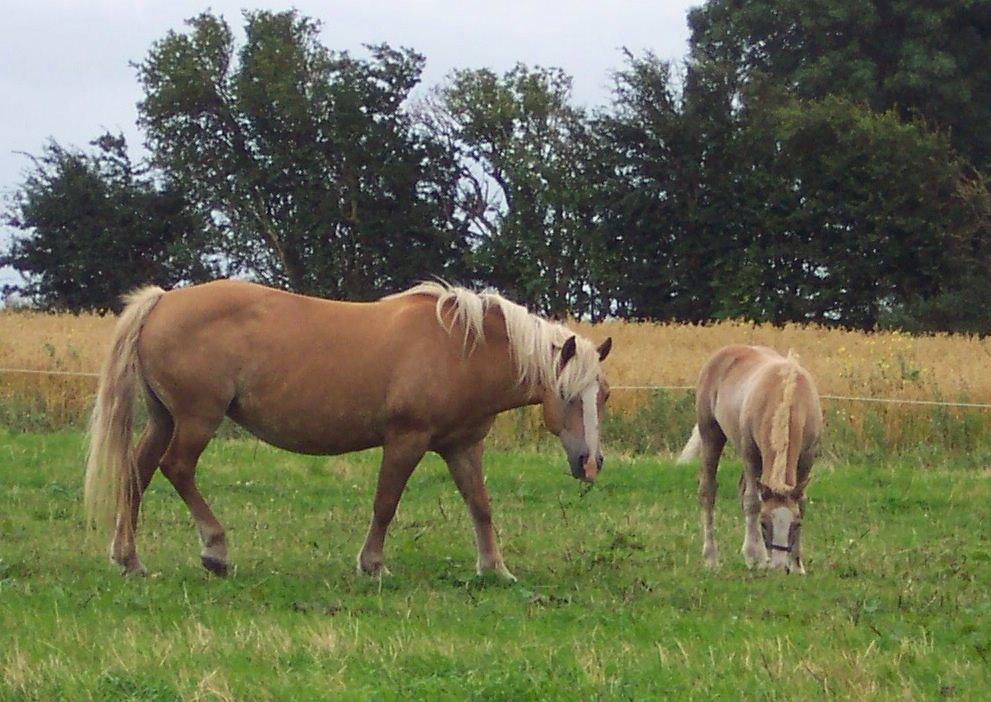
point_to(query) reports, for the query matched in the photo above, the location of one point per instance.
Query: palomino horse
(425, 370)
(768, 407)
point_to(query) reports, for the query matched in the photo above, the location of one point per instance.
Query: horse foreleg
(797, 565)
(710, 450)
(753, 549)
(465, 465)
(400, 454)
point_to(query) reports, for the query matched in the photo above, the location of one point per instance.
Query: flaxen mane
(779, 481)
(534, 343)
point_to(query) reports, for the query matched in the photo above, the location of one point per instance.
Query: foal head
(781, 527)
(573, 414)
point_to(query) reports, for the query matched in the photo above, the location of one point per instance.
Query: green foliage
(526, 185)
(929, 61)
(94, 226)
(851, 212)
(612, 602)
(304, 161)
(665, 191)
(777, 209)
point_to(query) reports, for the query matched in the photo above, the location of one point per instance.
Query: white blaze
(590, 418)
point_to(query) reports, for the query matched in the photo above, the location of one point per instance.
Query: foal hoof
(130, 567)
(215, 566)
(133, 571)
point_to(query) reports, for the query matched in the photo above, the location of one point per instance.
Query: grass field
(611, 603)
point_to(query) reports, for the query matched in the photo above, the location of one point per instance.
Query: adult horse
(768, 407)
(425, 370)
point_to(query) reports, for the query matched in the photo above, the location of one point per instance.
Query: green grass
(612, 601)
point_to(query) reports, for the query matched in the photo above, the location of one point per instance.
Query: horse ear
(604, 348)
(567, 352)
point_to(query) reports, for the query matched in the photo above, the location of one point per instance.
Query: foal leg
(152, 444)
(797, 565)
(179, 466)
(753, 550)
(400, 454)
(465, 464)
(713, 441)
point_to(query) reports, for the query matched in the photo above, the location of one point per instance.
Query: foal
(768, 407)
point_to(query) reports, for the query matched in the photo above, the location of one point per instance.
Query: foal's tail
(110, 465)
(785, 433)
(692, 448)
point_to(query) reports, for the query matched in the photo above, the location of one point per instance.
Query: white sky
(65, 66)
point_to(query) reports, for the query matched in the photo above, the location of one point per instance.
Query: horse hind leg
(192, 434)
(151, 446)
(710, 449)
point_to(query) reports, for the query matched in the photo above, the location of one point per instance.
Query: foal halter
(777, 547)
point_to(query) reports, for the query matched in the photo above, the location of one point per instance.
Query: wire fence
(667, 388)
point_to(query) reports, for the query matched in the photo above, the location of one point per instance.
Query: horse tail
(692, 448)
(110, 465)
(785, 442)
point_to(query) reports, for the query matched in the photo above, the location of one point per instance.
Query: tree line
(812, 162)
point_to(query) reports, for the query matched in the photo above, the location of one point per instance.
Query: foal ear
(604, 348)
(567, 352)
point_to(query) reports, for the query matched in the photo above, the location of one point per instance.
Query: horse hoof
(375, 569)
(215, 566)
(500, 572)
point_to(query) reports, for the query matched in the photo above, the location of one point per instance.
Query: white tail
(110, 466)
(692, 448)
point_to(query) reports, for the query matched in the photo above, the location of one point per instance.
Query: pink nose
(591, 469)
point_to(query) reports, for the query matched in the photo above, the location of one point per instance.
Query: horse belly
(320, 430)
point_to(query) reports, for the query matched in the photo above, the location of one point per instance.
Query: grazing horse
(427, 369)
(768, 407)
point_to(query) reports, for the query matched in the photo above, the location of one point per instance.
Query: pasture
(612, 601)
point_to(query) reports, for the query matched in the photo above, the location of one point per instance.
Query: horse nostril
(583, 459)
(598, 461)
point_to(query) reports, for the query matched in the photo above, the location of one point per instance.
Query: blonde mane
(779, 481)
(534, 343)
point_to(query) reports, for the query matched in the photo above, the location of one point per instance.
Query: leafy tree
(851, 213)
(525, 184)
(94, 226)
(928, 61)
(665, 190)
(303, 160)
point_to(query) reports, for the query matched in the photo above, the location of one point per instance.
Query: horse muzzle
(586, 468)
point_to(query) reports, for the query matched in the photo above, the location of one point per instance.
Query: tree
(525, 184)
(310, 172)
(851, 213)
(925, 61)
(665, 195)
(95, 226)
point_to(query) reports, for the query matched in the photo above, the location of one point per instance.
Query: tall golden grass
(884, 364)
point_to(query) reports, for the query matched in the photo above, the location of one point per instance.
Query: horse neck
(494, 370)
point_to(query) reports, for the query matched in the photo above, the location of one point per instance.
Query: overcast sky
(65, 66)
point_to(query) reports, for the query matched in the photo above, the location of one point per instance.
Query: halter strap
(778, 547)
